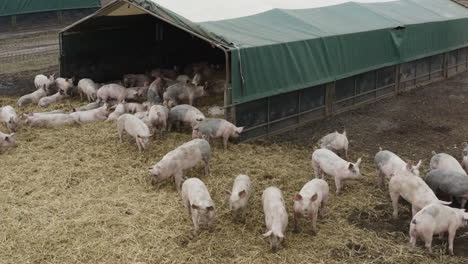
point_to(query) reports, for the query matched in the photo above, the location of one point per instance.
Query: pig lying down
(311, 200)
(9, 118)
(184, 157)
(388, 163)
(7, 140)
(326, 161)
(276, 216)
(436, 219)
(134, 128)
(239, 196)
(199, 205)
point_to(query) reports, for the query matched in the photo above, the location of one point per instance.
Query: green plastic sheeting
(281, 50)
(14, 7)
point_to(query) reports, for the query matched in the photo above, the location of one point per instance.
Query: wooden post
(13, 20)
(329, 98)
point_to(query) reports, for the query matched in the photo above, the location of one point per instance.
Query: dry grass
(75, 195)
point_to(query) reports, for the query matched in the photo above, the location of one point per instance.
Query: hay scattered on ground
(75, 195)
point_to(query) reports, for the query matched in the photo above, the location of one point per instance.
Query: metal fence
(271, 115)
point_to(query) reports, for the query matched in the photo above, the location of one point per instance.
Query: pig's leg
(120, 130)
(207, 165)
(297, 217)
(413, 240)
(346, 152)
(381, 177)
(313, 219)
(451, 236)
(178, 177)
(395, 196)
(195, 222)
(211, 218)
(316, 169)
(225, 142)
(323, 207)
(338, 185)
(414, 210)
(427, 236)
(138, 143)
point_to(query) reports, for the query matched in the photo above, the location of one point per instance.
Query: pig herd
(163, 92)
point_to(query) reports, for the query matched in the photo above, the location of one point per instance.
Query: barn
(27, 13)
(286, 63)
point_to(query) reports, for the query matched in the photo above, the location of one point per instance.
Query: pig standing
(312, 198)
(157, 116)
(135, 128)
(64, 85)
(182, 92)
(135, 80)
(49, 120)
(115, 91)
(48, 100)
(97, 114)
(34, 97)
(448, 182)
(445, 161)
(325, 160)
(184, 157)
(436, 219)
(41, 80)
(388, 163)
(239, 196)
(89, 88)
(465, 155)
(210, 128)
(184, 114)
(7, 140)
(276, 216)
(199, 205)
(119, 110)
(335, 142)
(9, 118)
(413, 189)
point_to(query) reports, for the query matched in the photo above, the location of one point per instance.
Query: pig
(465, 155)
(183, 78)
(448, 182)
(64, 85)
(48, 100)
(184, 157)
(120, 109)
(182, 92)
(135, 128)
(97, 114)
(436, 219)
(199, 205)
(89, 88)
(210, 128)
(25, 115)
(41, 80)
(9, 118)
(157, 116)
(445, 161)
(335, 142)
(87, 107)
(135, 80)
(312, 198)
(50, 120)
(7, 140)
(186, 114)
(276, 216)
(325, 160)
(135, 107)
(413, 189)
(388, 163)
(115, 91)
(34, 97)
(239, 196)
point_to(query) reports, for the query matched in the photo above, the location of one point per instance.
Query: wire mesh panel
(452, 62)
(437, 62)
(312, 103)
(50, 17)
(254, 116)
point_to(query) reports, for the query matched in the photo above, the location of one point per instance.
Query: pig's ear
(350, 166)
(242, 193)
(358, 162)
(194, 206)
(409, 166)
(239, 130)
(12, 134)
(280, 235)
(267, 234)
(298, 197)
(228, 193)
(465, 216)
(210, 208)
(419, 164)
(314, 197)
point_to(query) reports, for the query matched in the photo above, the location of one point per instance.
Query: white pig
(135, 107)
(239, 196)
(446, 162)
(388, 163)
(135, 128)
(210, 128)
(186, 114)
(89, 88)
(276, 216)
(34, 97)
(48, 100)
(157, 116)
(41, 80)
(7, 140)
(184, 157)
(413, 189)
(199, 205)
(9, 118)
(119, 110)
(97, 114)
(324, 160)
(335, 142)
(64, 85)
(312, 198)
(436, 219)
(115, 91)
(48, 120)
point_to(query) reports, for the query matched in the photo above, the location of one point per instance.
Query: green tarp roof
(14, 7)
(280, 46)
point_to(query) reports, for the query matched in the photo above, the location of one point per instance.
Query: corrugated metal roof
(462, 2)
